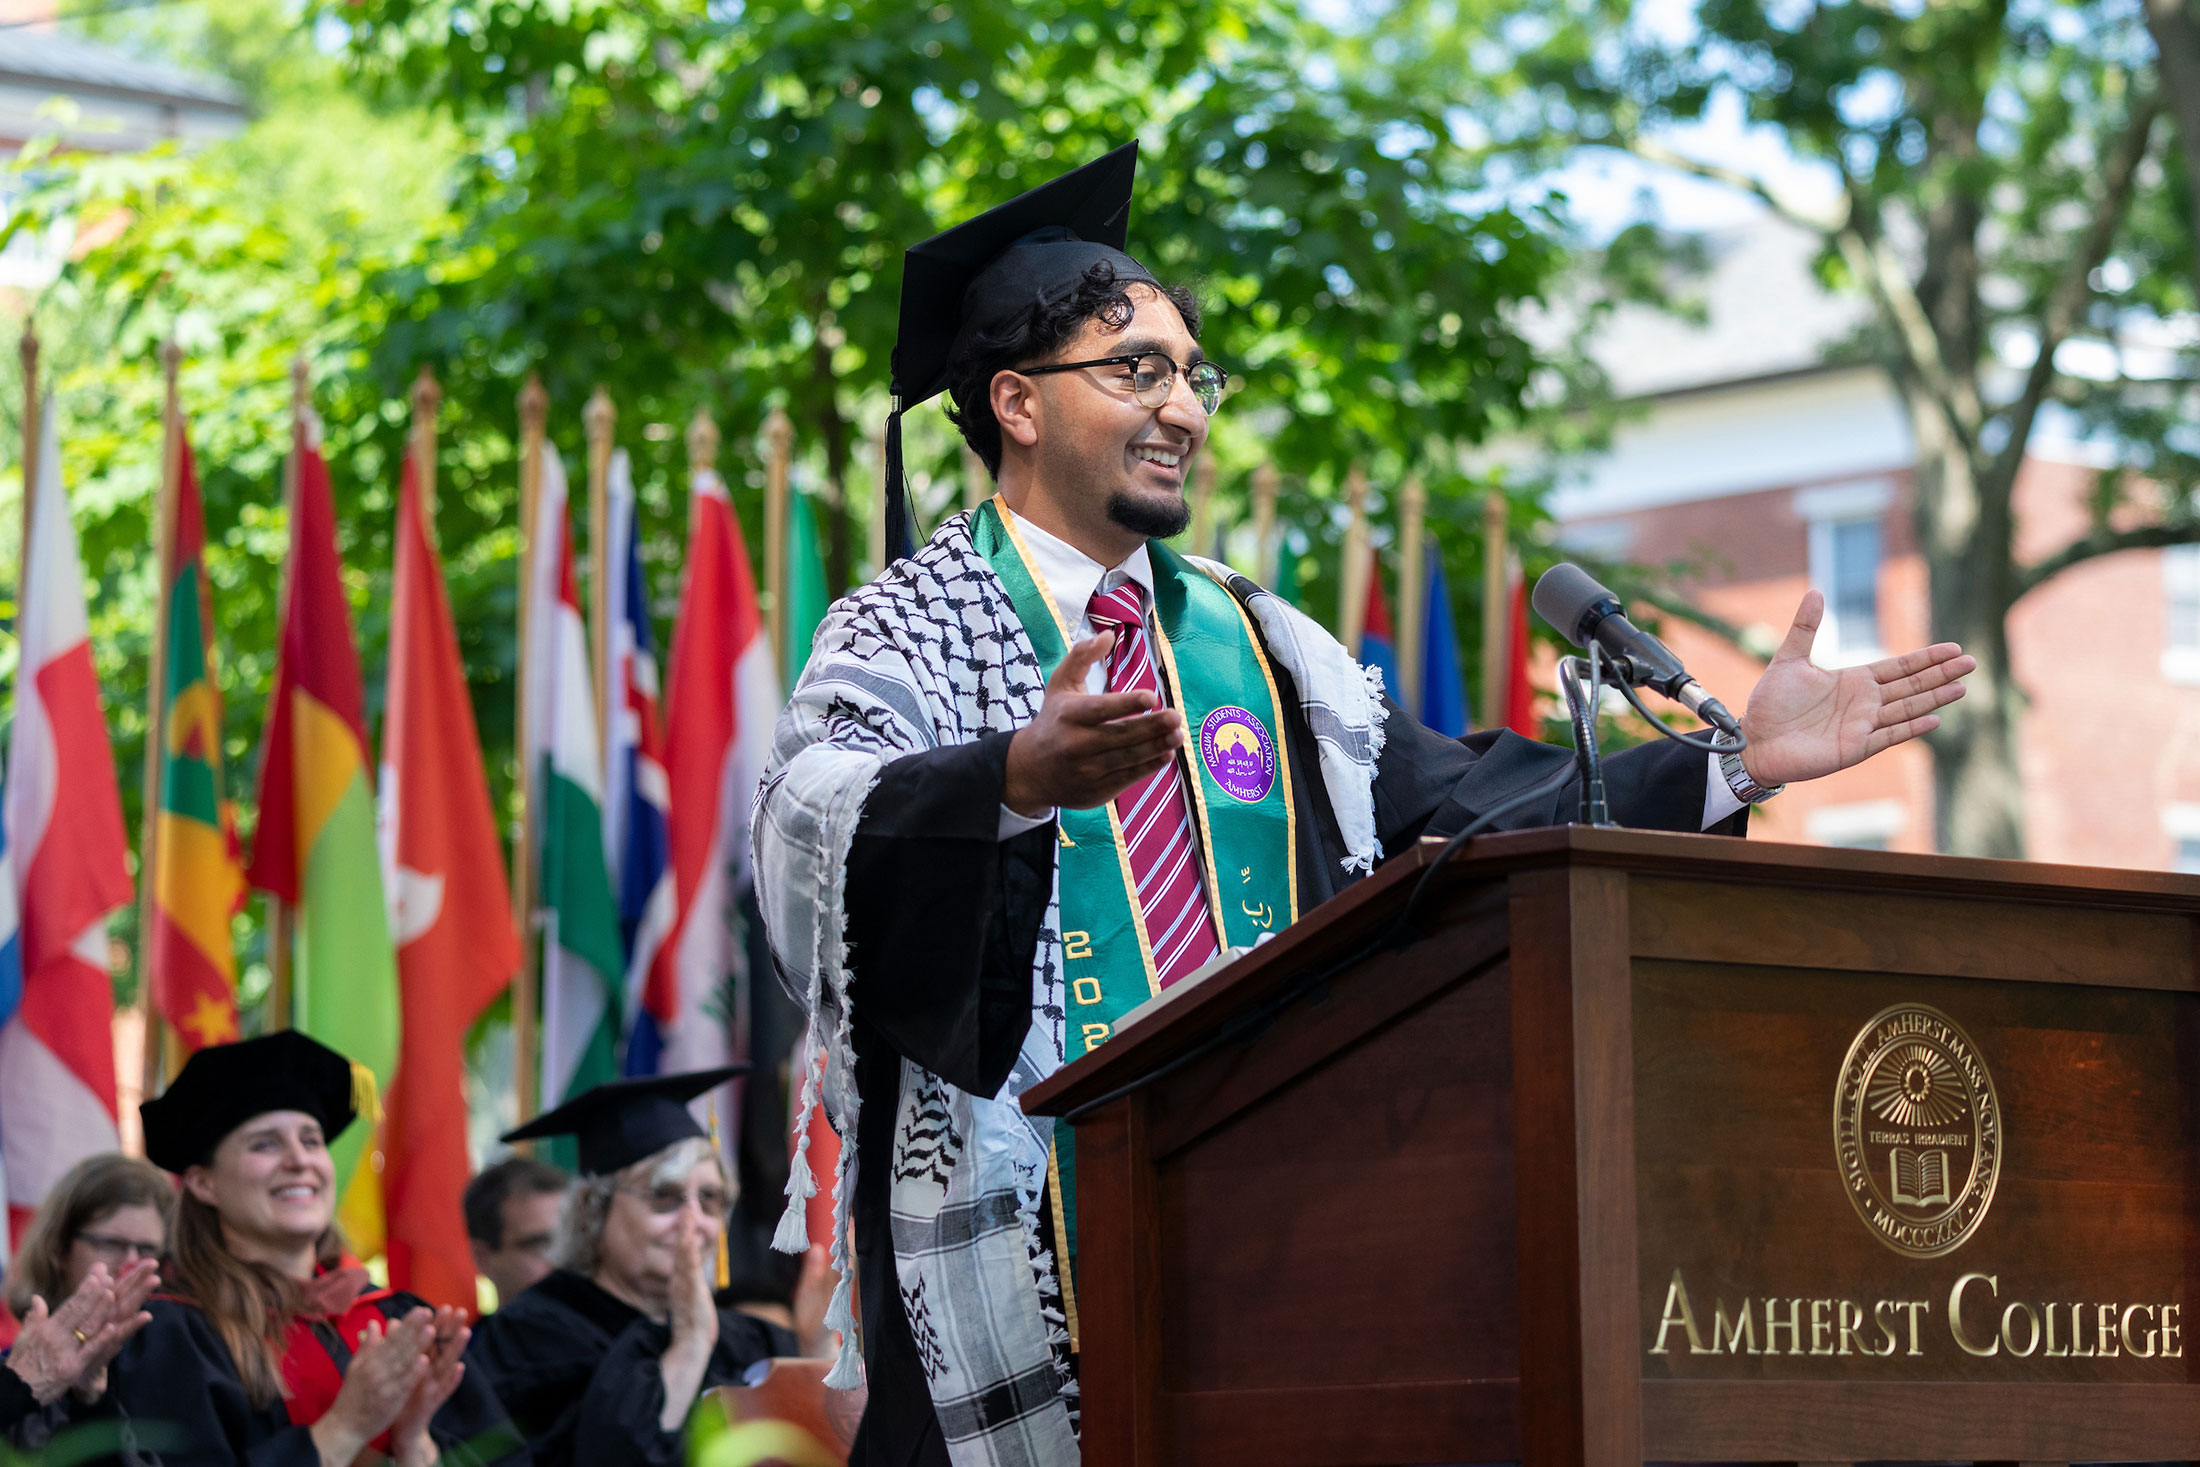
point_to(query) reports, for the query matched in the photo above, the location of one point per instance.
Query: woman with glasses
(272, 1346)
(601, 1362)
(95, 1243)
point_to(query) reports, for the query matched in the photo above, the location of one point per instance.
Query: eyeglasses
(108, 1246)
(668, 1199)
(1151, 377)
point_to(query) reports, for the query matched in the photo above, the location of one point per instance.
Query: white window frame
(1849, 825)
(1824, 509)
(2180, 564)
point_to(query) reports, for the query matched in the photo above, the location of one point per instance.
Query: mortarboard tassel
(900, 542)
(725, 1261)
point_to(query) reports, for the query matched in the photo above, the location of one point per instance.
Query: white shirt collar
(1073, 576)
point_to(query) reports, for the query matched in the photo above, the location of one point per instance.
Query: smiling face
(1082, 457)
(641, 1230)
(273, 1184)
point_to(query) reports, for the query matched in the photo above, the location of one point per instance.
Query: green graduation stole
(1242, 807)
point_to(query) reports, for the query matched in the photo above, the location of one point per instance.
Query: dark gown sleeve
(537, 1363)
(943, 915)
(175, 1395)
(24, 1424)
(1427, 784)
(619, 1415)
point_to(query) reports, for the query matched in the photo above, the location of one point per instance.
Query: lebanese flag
(64, 830)
(450, 915)
(721, 703)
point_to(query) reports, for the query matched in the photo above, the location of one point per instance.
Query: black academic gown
(578, 1370)
(955, 913)
(24, 1424)
(175, 1394)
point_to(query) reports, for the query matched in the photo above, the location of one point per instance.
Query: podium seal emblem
(1917, 1131)
(1238, 754)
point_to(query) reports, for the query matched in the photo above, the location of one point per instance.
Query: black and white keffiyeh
(932, 655)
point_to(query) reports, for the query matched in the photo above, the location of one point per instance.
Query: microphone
(1584, 611)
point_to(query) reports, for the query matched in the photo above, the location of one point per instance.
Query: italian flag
(582, 966)
(315, 845)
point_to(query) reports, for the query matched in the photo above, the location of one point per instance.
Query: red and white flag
(722, 701)
(64, 831)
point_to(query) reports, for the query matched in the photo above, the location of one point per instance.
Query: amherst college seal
(1917, 1131)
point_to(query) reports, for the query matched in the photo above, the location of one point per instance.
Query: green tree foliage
(1999, 189)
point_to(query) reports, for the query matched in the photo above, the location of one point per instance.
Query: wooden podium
(1676, 1148)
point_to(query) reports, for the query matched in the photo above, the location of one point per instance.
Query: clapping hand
(1805, 721)
(409, 1439)
(694, 1319)
(386, 1368)
(71, 1347)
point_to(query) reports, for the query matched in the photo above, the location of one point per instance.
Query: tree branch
(2104, 541)
(2067, 301)
(1880, 269)
(1652, 151)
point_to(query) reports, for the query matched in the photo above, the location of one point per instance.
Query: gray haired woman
(601, 1361)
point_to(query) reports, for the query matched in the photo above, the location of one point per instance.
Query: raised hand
(410, 1443)
(385, 1369)
(1805, 721)
(53, 1351)
(125, 1317)
(1083, 749)
(694, 1319)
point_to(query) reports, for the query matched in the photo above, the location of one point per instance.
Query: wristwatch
(1747, 790)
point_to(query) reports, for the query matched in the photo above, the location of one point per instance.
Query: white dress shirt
(1073, 578)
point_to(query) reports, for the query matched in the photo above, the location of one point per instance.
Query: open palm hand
(1805, 721)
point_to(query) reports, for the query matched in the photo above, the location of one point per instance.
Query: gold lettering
(1085, 989)
(2104, 1320)
(1879, 1317)
(2008, 1336)
(1916, 1307)
(2077, 1335)
(2131, 1347)
(1852, 1324)
(1737, 1336)
(1076, 944)
(1793, 1324)
(1094, 1033)
(1678, 1312)
(2053, 1351)
(1821, 1328)
(1955, 1312)
(2172, 1348)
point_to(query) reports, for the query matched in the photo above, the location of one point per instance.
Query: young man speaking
(1044, 767)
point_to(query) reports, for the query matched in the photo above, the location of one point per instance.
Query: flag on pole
(1378, 642)
(198, 869)
(315, 847)
(723, 700)
(637, 815)
(1519, 685)
(11, 1000)
(806, 595)
(64, 830)
(581, 964)
(1443, 683)
(449, 916)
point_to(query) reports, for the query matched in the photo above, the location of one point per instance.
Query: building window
(1870, 825)
(2181, 613)
(1847, 549)
(2181, 823)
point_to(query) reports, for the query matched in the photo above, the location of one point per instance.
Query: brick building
(1765, 471)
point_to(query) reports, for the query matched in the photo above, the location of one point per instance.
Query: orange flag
(450, 913)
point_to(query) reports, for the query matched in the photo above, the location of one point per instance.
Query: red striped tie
(1155, 813)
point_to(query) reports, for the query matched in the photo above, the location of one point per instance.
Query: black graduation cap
(223, 1086)
(621, 1122)
(982, 274)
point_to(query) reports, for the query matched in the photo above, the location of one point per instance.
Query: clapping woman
(274, 1350)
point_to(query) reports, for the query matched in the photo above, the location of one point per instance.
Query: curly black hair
(1030, 338)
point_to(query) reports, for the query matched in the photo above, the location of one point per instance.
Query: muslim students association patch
(1238, 753)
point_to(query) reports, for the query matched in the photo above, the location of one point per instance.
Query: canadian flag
(64, 832)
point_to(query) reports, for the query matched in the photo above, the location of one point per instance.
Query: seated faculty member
(512, 1211)
(1044, 767)
(602, 1360)
(274, 1349)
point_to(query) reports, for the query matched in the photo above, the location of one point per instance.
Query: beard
(1156, 519)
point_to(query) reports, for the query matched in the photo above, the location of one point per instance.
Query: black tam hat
(621, 1122)
(982, 275)
(225, 1085)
